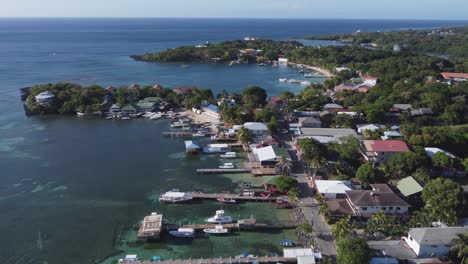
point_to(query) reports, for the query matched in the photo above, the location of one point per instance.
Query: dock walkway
(229, 260)
(220, 171)
(214, 196)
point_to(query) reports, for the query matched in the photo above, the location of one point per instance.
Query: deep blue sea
(70, 188)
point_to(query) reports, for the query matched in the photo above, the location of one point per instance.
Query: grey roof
(332, 106)
(375, 198)
(255, 126)
(402, 106)
(391, 248)
(310, 120)
(437, 235)
(334, 132)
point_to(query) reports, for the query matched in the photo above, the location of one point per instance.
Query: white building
(370, 127)
(283, 61)
(433, 242)
(44, 98)
(370, 81)
(256, 128)
(332, 189)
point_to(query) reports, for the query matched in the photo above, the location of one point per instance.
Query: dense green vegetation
(223, 52)
(285, 183)
(71, 98)
(353, 251)
(445, 41)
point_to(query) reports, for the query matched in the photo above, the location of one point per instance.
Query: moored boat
(183, 232)
(227, 166)
(229, 155)
(219, 217)
(283, 79)
(218, 230)
(175, 197)
(226, 201)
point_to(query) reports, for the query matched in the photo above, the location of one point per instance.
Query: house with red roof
(377, 151)
(111, 89)
(134, 86)
(183, 89)
(454, 76)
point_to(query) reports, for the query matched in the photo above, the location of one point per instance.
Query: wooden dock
(220, 171)
(214, 196)
(230, 260)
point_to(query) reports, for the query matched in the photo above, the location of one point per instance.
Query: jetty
(214, 196)
(221, 171)
(243, 224)
(230, 260)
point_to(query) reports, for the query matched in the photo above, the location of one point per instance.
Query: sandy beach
(315, 68)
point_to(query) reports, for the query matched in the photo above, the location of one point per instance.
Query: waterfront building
(191, 146)
(266, 160)
(115, 109)
(151, 227)
(146, 106)
(433, 242)
(44, 98)
(256, 128)
(129, 109)
(377, 151)
(212, 111)
(332, 189)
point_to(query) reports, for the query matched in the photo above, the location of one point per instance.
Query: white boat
(148, 114)
(183, 232)
(306, 83)
(283, 80)
(199, 134)
(227, 166)
(219, 217)
(129, 259)
(213, 150)
(80, 114)
(261, 64)
(174, 197)
(155, 116)
(229, 155)
(219, 229)
(125, 118)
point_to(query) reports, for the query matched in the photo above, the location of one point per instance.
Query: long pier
(244, 224)
(214, 196)
(229, 260)
(210, 171)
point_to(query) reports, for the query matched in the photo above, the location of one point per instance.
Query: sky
(365, 9)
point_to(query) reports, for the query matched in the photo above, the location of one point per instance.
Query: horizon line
(239, 18)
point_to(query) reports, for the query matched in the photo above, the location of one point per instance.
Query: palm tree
(243, 135)
(461, 247)
(285, 165)
(293, 195)
(341, 228)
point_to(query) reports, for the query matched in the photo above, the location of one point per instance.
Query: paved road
(322, 231)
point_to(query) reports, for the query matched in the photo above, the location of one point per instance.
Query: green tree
(273, 125)
(347, 148)
(285, 165)
(460, 247)
(443, 200)
(285, 183)
(420, 218)
(367, 174)
(293, 194)
(313, 152)
(306, 227)
(440, 159)
(243, 135)
(263, 115)
(254, 96)
(342, 228)
(353, 251)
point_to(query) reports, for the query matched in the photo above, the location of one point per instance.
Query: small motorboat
(283, 80)
(218, 230)
(229, 155)
(227, 166)
(183, 232)
(261, 64)
(155, 258)
(155, 116)
(286, 243)
(219, 217)
(129, 259)
(125, 118)
(245, 255)
(226, 201)
(175, 196)
(185, 66)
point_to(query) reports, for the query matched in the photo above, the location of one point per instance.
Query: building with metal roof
(409, 186)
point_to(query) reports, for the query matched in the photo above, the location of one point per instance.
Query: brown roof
(339, 207)
(381, 187)
(375, 198)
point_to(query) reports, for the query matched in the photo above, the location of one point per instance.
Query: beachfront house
(377, 151)
(192, 146)
(433, 242)
(250, 52)
(115, 109)
(257, 128)
(146, 106)
(129, 110)
(267, 160)
(211, 111)
(332, 189)
(44, 98)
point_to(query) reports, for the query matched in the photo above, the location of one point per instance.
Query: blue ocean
(72, 189)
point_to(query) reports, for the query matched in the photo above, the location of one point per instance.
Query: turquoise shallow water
(71, 189)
